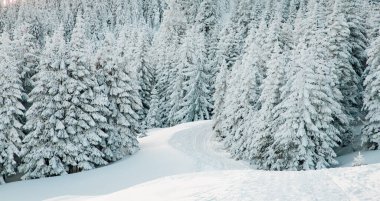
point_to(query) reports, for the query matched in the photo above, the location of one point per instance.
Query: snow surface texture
(189, 148)
(335, 185)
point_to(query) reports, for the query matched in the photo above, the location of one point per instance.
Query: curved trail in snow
(198, 143)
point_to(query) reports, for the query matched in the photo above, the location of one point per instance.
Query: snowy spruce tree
(371, 135)
(227, 57)
(244, 89)
(152, 119)
(85, 118)
(144, 72)
(219, 101)
(243, 79)
(266, 120)
(242, 95)
(356, 14)
(306, 135)
(359, 160)
(165, 46)
(196, 101)
(230, 48)
(47, 147)
(120, 81)
(176, 89)
(11, 110)
(27, 51)
(208, 24)
(348, 80)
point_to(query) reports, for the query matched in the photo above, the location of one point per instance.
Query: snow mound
(333, 184)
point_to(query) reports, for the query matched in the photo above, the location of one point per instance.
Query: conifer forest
(287, 84)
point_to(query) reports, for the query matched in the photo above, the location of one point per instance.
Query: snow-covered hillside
(327, 185)
(204, 172)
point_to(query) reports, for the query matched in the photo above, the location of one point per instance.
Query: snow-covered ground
(184, 163)
(248, 185)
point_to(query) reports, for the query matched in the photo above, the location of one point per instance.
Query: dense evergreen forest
(286, 82)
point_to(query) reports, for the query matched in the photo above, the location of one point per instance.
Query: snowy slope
(204, 172)
(335, 185)
(157, 158)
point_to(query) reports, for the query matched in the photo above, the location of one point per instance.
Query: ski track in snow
(202, 171)
(198, 143)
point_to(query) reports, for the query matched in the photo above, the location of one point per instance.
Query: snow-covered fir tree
(306, 136)
(371, 135)
(27, 52)
(121, 85)
(219, 104)
(266, 122)
(165, 46)
(359, 160)
(140, 61)
(47, 147)
(152, 119)
(356, 14)
(208, 23)
(177, 85)
(243, 47)
(196, 101)
(84, 118)
(243, 91)
(230, 47)
(11, 110)
(348, 79)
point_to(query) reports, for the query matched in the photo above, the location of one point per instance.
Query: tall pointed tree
(266, 122)
(208, 23)
(196, 102)
(124, 100)
(165, 45)
(229, 52)
(233, 53)
(27, 53)
(307, 136)
(140, 61)
(47, 147)
(177, 86)
(371, 135)
(152, 118)
(348, 79)
(219, 102)
(11, 110)
(85, 118)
